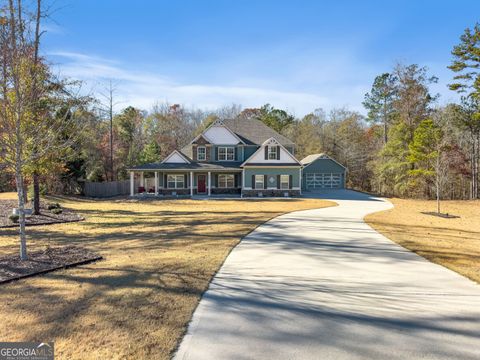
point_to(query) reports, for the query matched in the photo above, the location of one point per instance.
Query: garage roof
(313, 157)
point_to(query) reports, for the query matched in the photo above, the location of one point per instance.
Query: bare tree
(31, 130)
(107, 107)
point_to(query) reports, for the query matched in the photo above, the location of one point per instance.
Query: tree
(108, 108)
(413, 100)
(411, 105)
(466, 65)
(130, 125)
(391, 165)
(150, 153)
(307, 134)
(29, 134)
(277, 119)
(379, 102)
(429, 153)
(18, 95)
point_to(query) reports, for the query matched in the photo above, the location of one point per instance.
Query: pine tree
(466, 65)
(428, 152)
(379, 102)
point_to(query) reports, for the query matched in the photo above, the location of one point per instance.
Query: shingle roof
(311, 158)
(229, 165)
(253, 131)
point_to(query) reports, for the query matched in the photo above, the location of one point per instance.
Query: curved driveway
(322, 284)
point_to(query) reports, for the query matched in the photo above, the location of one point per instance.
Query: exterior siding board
(272, 173)
(320, 166)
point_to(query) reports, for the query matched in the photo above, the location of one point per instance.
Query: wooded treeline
(407, 145)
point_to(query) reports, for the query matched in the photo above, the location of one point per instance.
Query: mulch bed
(442, 215)
(46, 216)
(41, 262)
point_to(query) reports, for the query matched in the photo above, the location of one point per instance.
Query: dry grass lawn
(135, 304)
(453, 243)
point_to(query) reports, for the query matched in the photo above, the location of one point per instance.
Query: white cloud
(143, 89)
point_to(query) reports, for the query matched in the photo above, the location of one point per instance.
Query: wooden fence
(107, 189)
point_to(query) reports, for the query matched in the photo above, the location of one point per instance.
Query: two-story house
(237, 156)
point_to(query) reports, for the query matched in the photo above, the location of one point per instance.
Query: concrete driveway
(321, 284)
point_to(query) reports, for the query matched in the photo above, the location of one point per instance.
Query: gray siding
(324, 166)
(327, 166)
(249, 151)
(295, 172)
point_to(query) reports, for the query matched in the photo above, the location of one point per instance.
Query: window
(226, 181)
(226, 153)
(284, 182)
(201, 153)
(259, 181)
(272, 152)
(175, 181)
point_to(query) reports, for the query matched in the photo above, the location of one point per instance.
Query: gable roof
(216, 123)
(270, 141)
(187, 160)
(254, 132)
(307, 160)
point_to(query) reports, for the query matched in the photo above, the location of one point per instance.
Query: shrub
(57, 211)
(52, 206)
(14, 218)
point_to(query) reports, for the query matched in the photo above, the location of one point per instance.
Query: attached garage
(322, 172)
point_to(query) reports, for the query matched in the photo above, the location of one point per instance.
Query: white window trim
(204, 154)
(270, 151)
(176, 181)
(219, 185)
(226, 153)
(263, 184)
(282, 182)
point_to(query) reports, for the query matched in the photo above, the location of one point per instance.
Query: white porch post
(132, 183)
(300, 181)
(142, 180)
(209, 183)
(243, 182)
(156, 183)
(191, 183)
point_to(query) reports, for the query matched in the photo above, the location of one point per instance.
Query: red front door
(201, 182)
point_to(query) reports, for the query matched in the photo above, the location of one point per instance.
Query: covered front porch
(184, 183)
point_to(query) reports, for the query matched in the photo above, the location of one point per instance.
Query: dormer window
(201, 153)
(272, 152)
(226, 153)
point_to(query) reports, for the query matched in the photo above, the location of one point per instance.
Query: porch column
(243, 183)
(142, 180)
(300, 181)
(191, 183)
(132, 183)
(156, 183)
(209, 183)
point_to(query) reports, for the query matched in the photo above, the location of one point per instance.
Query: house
(236, 156)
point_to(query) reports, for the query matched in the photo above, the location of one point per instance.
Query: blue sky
(297, 55)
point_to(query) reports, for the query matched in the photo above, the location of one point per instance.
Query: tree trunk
(438, 181)
(36, 194)
(21, 211)
(438, 200)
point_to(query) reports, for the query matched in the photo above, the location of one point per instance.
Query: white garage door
(323, 181)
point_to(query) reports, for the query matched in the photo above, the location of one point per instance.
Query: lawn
(453, 243)
(159, 258)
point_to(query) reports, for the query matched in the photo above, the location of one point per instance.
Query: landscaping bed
(46, 216)
(41, 262)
